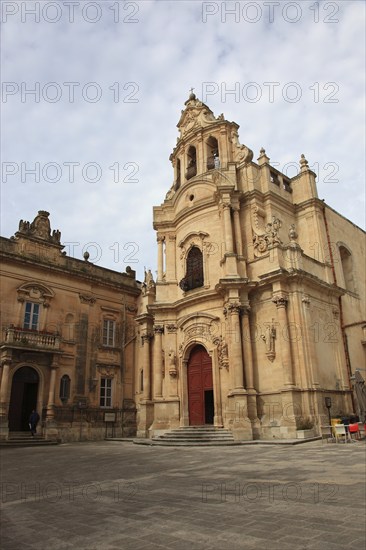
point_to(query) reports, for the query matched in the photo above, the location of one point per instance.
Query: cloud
(144, 71)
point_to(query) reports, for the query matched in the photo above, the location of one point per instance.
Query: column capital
(146, 338)
(158, 329)
(171, 328)
(160, 238)
(232, 308)
(280, 299)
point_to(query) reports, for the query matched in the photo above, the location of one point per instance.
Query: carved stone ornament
(270, 237)
(87, 299)
(158, 329)
(232, 308)
(269, 338)
(107, 371)
(280, 300)
(222, 352)
(292, 233)
(172, 363)
(131, 308)
(171, 329)
(242, 154)
(195, 115)
(40, 228)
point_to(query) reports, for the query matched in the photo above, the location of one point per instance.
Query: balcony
(31, 339)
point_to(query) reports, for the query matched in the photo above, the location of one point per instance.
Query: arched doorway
(200, 387)
(23, 398)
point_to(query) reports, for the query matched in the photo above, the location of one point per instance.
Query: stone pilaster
(236, 415)
(170, 258)
(146, 366)
(4, 392)
(281, 301)
(158, 361)
(249, 372)
(160, 241)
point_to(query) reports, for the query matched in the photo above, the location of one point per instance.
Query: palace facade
(67, 346)
(257, 313)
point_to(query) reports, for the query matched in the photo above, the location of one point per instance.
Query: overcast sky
(109, 80)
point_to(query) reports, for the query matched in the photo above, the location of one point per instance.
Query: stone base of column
(291, 408)
(166, 417)
(4, 426)
(50, 429)
(236, 416)
(145, 417)
(231, 268)
(253, 414)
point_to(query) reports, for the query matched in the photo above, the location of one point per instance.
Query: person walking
(33, 421)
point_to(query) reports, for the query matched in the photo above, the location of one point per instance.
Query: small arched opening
(191, 163)
(212, 151)
(194, 270)
(347, 268)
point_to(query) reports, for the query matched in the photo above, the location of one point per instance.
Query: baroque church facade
(257, 313)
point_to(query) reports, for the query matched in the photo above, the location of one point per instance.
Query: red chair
(354, 429)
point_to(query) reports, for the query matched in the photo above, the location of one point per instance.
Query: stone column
(237, 228)
(170, 258)
(51, 393)
(158, 362)
(236, 356)
(247, 349)
(249, 373)
(146, 365)
(184, 416)
(160, 240)
(281, 303)
(228, 231)
(4, 390)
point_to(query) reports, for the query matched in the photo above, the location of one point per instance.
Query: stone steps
(25, 439)
(193, 436)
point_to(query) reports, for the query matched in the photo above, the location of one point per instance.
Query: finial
(86, 256)
(262, 151)
(304, 164)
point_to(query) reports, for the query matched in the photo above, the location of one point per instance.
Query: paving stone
(135, 497)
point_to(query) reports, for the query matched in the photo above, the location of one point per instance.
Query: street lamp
(328, 404)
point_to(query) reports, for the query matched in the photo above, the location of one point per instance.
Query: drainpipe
(343, 331)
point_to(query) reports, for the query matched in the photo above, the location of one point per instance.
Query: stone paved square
(116, 495)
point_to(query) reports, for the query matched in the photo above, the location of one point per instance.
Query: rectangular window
(31, 316)
(105, 392)
(109, 329)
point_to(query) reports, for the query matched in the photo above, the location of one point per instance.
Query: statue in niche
(269, 338)
(172, 363)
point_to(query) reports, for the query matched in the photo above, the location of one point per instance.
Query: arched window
(347, 267)
(213, 160)
(194, 270)
(64, 388)
(191, 163)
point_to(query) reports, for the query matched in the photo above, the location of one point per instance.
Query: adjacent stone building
(257, 313)
(67, 346)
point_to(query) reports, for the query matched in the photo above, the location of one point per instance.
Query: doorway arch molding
(41, 381)
(185, 350)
